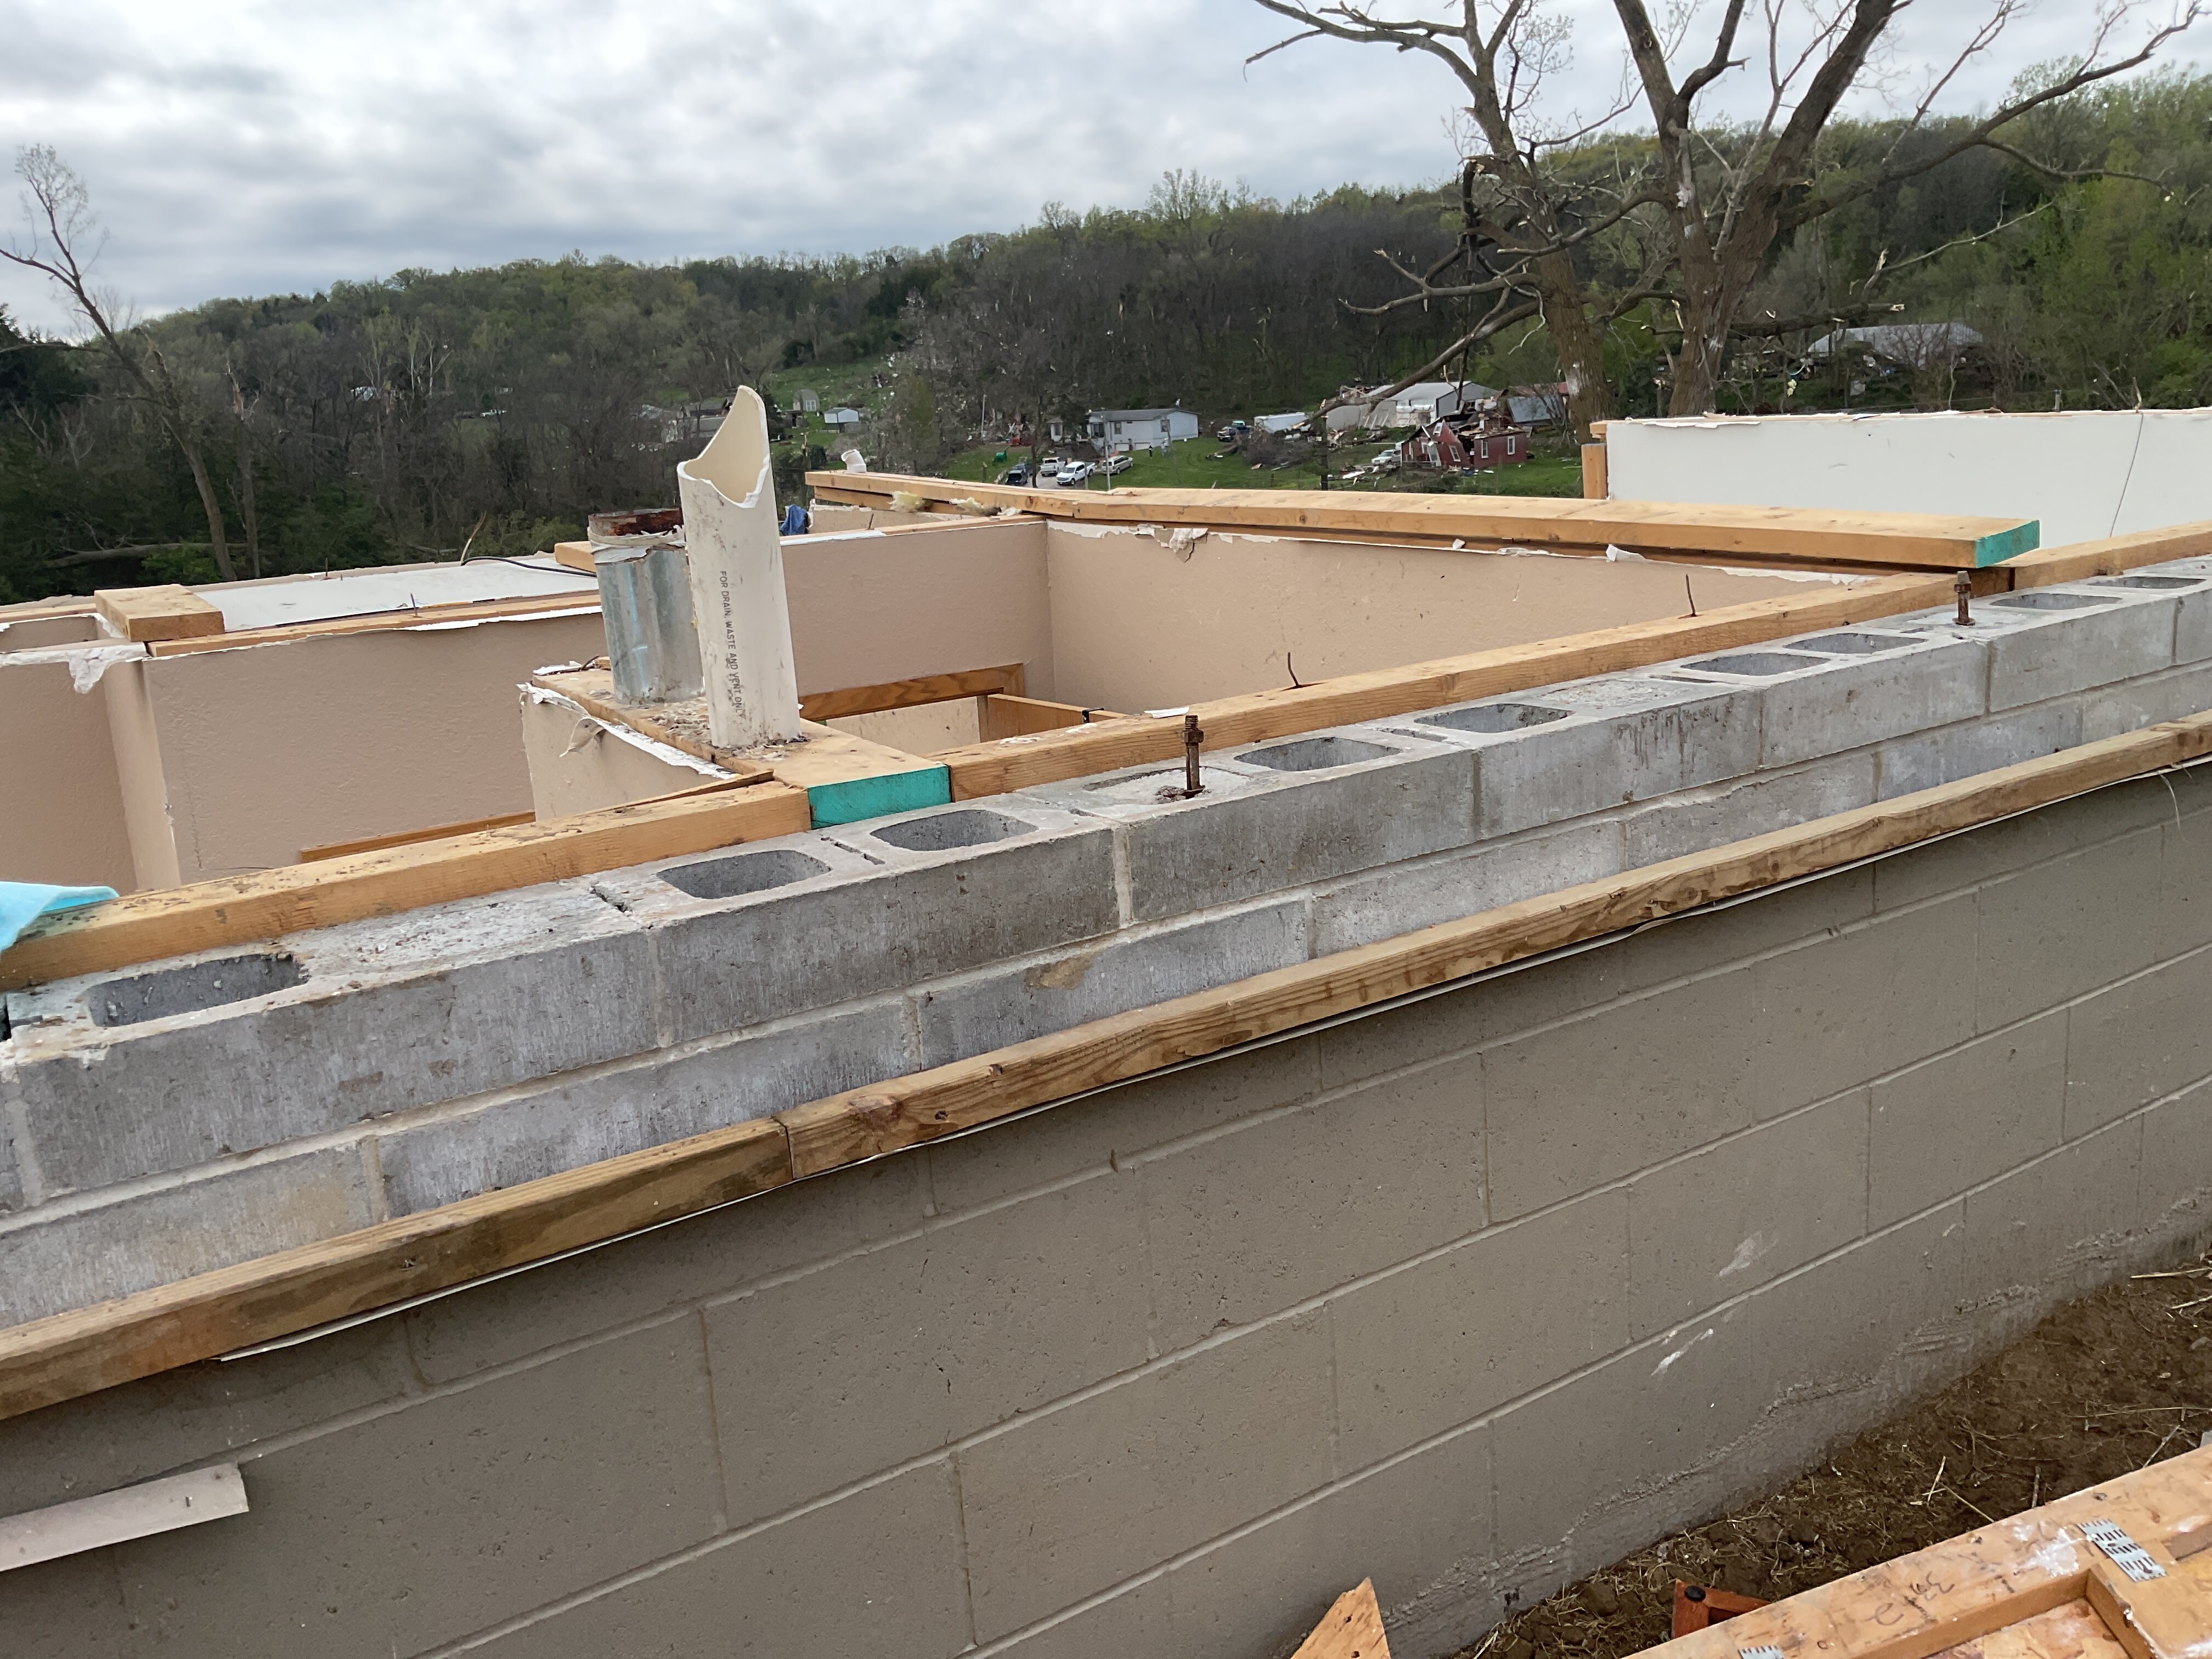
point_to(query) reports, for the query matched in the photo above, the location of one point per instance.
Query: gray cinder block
(826, 1377)
(58, 1257)
(1279, 814)
(1006, 1004)
(1954, 1123)
(1566, 750)
(1498, 1319)
(1419, 893)
(1862, 685)
(883, 916)
(402, 1012)
(2047, 642)
(1244, 1224)
(1064, 1503)
(648, 1103)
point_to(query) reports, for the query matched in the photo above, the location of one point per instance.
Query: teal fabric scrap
(22, 903)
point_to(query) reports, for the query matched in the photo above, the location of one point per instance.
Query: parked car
(1018, 474)
(1233, 431)
(1113, 464)
(1074, 473)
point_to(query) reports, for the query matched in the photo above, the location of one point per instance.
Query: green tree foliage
(493, 409)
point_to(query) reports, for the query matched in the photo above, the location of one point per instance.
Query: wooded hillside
(405, 418)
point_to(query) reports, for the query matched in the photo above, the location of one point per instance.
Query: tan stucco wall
(866, 609)
(271, 749)
(1136, 625)
(63, 817)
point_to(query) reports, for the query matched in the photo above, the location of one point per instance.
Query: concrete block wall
(480, 1044)
(1470, 1296)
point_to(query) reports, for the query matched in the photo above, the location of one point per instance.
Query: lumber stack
(2119, 1571)
(1836, 540)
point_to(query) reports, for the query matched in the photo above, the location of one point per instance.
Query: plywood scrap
(238, 910)
(2040, 1585)
(1351, 1630)
(170, 612)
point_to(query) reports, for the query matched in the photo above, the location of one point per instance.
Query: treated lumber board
(238, 910)
(2112, 555)
(169, 612)
(408, 837)
(384, 622)
(911, 693)
(60, 1357)
(1104, 745)
(1351, 1629)
(1926, 541)
(907, 1111)
(1016, 716)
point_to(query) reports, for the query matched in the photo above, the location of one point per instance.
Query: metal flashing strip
(1290, 1034)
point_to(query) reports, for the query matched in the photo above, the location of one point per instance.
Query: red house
(1442, 446)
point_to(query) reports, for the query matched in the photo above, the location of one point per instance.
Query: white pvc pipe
(732, 536)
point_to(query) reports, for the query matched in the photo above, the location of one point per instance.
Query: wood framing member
(1104, 746)
(2011, 1588)
(384, 622)
(243, 909)
(1908, 540)
(409, 837)
(166, 613)
(912, 694)
(2115, 555)
(1015, 717)
(68, 1354)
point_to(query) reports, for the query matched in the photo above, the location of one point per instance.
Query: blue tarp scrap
(22, 903)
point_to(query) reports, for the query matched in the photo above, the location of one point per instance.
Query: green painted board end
(856, 798)
(2008, 544)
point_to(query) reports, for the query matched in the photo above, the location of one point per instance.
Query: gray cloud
(242, 147)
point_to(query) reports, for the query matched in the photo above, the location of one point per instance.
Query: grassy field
(1202, 464)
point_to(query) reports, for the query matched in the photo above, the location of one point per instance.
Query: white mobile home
(1140, 428)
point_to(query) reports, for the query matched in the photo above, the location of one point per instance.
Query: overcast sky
(240, 148)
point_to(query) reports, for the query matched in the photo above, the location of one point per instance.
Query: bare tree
(59, 210)
(1705, 198)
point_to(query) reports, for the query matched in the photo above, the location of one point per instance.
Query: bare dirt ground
(2105, 1385)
